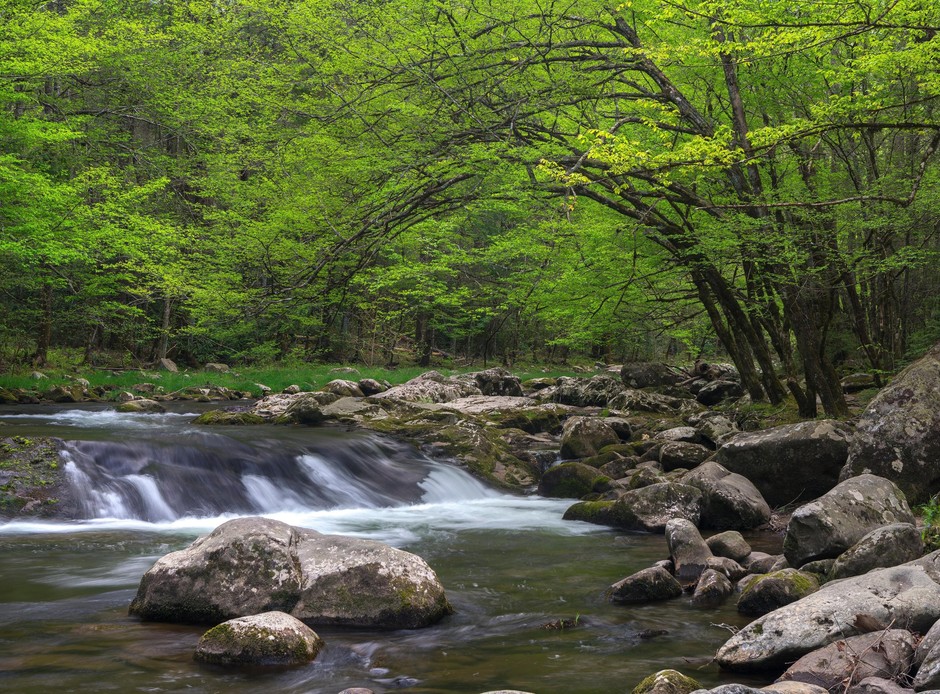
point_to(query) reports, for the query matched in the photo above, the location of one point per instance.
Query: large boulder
(582, 437)
(688, 550)
(648, 585)
(251, 565)
(498, 382)
(898, 435)
(793, 462)
(907, 594)
(838, 666)
(729, 500)
(771, 591)
(646, 509)
(572, 481)
(831, 524)
(587, 392)
(270, 638)
(889, 545)
(431, 386)
(648, 374)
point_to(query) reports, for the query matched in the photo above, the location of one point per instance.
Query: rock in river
(270, 638)
(251, 565)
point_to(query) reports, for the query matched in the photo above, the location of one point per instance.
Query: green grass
(246, 379)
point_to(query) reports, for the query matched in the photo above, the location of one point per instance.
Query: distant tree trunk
(164, 342)
(423, 339)
(44, 332)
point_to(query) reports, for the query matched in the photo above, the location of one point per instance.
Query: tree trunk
(44, 332)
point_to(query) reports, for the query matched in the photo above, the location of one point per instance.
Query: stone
(774, 590)
(305, 409)
(681, 454)
(793, 687)
(498, 382)
(370, 386)
(834, 522)
(431, 387)
(587, 392)
(648, 374)
(729, 543)
(216, 367)
(928, 673)
(141, 405)
(789, 463)
(228, 417)
(927, 644)
(582, 437)
(712, 426)
(647, 509)
(712, 590)
(343, 388)
(878, 685)
(687, 549)
(729, 500)
(270, 638)
(667, 682)
(645, 401)
(760, 562)
(648, 585)
(572, 481)
(907, 595)
(844, 662)
(251, 565)
(898, 434)
(715, 392)
(168, 365)
(292, 389)
(889, 545)
(728, 567)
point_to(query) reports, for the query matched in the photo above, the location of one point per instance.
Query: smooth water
(510, 565)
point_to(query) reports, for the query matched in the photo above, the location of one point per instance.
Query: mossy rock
(531, 421)
(572, 481)
(32, 479)
(270, 638)
(601, 459)
(8, 398)
(227, 417)
(775, 590)
(667, 682)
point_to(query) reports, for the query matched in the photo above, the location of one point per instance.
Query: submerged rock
(270, 638)
(251, 565)
(648, 585)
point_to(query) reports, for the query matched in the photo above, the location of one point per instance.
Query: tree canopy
(491, 179)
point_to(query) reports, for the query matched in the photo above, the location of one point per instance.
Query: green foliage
(930, 532)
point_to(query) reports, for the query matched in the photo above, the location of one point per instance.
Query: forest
(492, 180)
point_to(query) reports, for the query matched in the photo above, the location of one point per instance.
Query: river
(150, 484)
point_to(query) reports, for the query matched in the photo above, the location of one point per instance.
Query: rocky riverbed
(640, 451)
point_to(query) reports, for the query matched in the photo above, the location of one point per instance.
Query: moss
(667, 682)
(31, 477)
(227, 417)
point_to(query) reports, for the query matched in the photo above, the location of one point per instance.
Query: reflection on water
(510, 566)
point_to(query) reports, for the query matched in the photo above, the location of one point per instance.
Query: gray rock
(648, 374)
(713, 426)
(498, 382)
(878, 685)
(585, 436)
(928, 674)
(270, 638)
(681, 454)
(820, 567)
(645, 401)
(834, 522)
(343, 388)
(292, 389)
(898, 435)
(489, 404)
(730, 501)
(647, 509)
(907, 594)
(587, 392)
(216, 367)
(889, 545)
(728, 567)
(168, 365)
(841, 664)
(729, 544)
(572, 481)
(683, 434)
(370, 386)
(713, 393)
(431, 387)
(927, 644)
(648, 585)
(760, 562)
(774, 590)
(712, 590)
(304, 409)
(251, 565)
(687, 549)
(141, 405)
(793, 687)
(794, 462)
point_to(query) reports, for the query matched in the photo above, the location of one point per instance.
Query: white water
(350, 495)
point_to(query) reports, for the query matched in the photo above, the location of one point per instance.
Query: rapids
(145, 485)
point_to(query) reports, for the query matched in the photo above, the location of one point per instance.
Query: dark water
(510, 566)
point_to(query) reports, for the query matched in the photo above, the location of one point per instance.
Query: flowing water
(146, 485)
